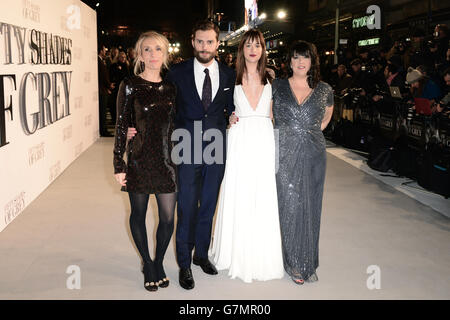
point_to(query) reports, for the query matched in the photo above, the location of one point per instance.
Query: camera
(445, 101)
(431, 41)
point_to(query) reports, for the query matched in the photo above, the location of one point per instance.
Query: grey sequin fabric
(301, 174)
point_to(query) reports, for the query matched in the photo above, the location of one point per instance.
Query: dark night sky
(176, 16)
(173, 15)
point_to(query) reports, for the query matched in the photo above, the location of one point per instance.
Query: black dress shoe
(206, 266)
(186, 279)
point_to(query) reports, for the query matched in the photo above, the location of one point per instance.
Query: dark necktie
(207, 90)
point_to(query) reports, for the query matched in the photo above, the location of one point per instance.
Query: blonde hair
(160, 39)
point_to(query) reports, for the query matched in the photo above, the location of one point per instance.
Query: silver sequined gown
(301, 174)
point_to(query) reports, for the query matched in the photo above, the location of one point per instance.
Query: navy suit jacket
(189, 104)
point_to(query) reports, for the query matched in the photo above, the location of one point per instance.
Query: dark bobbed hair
(205, 25)
(252, 35)
(308, 50)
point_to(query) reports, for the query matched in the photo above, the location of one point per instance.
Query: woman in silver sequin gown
(302, 108)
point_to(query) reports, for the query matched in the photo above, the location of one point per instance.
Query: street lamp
(262, 16)
(281, 14)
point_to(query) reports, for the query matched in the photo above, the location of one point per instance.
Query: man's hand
(120, 177)
(437, 108)
(376, 98)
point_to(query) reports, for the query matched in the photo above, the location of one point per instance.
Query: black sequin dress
(150, 108)
(301, 174)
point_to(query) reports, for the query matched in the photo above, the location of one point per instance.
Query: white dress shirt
(199, 74)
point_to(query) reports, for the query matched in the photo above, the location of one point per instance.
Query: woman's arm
(271, 110)
(124, 109)
(329, 105)
(327, 117)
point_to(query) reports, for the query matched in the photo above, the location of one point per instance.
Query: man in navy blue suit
(204, 102)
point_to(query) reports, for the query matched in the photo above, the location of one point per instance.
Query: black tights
(166, 209)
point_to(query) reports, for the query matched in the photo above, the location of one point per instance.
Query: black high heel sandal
(164, 281)
(149, 277)
(313, 278)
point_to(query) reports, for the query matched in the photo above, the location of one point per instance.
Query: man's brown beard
(202, 60)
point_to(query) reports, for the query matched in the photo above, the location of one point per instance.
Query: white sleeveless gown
(247, 238)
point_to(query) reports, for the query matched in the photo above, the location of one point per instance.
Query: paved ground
(82, 220)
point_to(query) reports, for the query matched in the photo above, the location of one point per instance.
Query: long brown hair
(241, 68)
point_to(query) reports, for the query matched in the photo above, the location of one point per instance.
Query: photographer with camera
(343, 82)
(393, 78)
(364, 55)
(419, 53)
(359, 76)
(439, 45)
(397, 55)
(375, 78)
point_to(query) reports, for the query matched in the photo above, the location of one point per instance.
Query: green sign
(363, 21)
(368, 42)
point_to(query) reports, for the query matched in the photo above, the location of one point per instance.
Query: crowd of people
(419, 68)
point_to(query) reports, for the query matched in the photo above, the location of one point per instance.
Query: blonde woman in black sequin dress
(302, 108)
(147, 102)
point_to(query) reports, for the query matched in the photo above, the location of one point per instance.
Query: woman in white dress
(247, 238)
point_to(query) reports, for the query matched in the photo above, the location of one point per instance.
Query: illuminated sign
(368, 42)
(251, 10)
(363, 21)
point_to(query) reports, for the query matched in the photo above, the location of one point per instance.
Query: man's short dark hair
(100, 47)
(355, 62)
(363, 50)
(205, 25)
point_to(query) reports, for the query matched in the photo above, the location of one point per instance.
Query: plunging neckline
(259, 100)
(295, 97)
